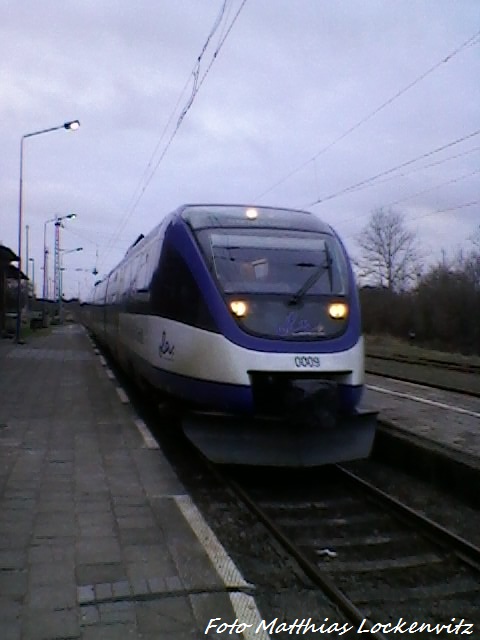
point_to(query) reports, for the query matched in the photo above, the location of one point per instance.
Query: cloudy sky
(338, 106)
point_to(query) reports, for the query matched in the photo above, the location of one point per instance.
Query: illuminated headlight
(239, 308)
(252, 214)
(338, 310)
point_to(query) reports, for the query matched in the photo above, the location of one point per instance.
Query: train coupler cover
(246, 440)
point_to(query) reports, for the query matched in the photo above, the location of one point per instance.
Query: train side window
(175, 293)
(141, 284)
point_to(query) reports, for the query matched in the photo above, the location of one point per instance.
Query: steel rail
(435, 532)
(318, 578)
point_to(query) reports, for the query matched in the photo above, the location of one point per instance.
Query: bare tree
(390, 255)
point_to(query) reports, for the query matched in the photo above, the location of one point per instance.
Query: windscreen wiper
(313, 278)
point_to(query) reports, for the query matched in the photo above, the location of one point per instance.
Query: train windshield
(296, 264)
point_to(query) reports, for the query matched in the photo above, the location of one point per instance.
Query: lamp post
(72, 126)
(60, 279)
(27, 260)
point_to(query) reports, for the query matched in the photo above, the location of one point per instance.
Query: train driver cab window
(277, 263)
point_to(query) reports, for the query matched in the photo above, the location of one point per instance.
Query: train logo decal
(165, 349)
(293, 324)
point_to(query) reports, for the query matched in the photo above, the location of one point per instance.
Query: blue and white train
(248, 319)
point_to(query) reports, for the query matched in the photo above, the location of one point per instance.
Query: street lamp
(65, 251)
(73, 126)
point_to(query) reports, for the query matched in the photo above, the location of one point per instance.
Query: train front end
(287, 308)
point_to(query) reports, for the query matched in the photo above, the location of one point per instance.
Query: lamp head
(73, 125)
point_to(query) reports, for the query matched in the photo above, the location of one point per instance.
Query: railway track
(375, 558)
(462, 367)
(437, 374)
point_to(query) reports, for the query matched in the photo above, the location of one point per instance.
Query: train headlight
(239, 308)
(338, 310)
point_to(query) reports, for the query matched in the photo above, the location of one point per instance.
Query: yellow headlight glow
(239, 308)
(338, 310)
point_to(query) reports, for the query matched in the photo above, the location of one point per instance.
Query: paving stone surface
(92, 544)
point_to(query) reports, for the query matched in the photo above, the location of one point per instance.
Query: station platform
(429, 427)
(98, 538)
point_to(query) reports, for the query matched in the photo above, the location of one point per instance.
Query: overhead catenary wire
(140, 188)
(434, 188)
(194, 73)
(373, 179)
(87, 238)
(196, 69)
(470, 42)
(403, 174)
(456, 207)
(152, 167)
(197, 89)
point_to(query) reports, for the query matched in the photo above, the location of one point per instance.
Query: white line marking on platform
(148, 439)
(103, 361)
(432, 403)
(409, 383)
(244, 605)
(222, 562)
(122, 395)
(110, 374)
(246, 611)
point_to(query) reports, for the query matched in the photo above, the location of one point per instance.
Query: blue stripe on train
(220, 396)
(231, 398)
(180, 236)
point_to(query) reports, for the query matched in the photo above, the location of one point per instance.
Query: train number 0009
(307, 361)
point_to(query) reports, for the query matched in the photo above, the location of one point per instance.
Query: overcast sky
(273, 120)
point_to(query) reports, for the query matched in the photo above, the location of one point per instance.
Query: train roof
(228, 216)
